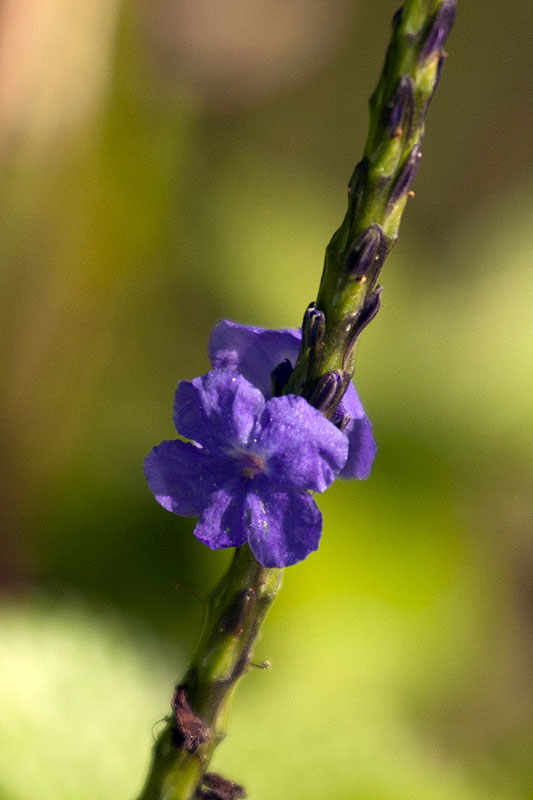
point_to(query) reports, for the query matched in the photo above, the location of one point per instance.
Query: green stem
(235, 610)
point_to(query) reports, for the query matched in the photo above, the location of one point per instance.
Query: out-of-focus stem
(235, 610)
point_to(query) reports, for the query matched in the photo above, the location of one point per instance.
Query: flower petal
(182, 476)
(301, 448)
(254, 352)
(222, 523)
(362, 447)
(361, 451)
(283, 526)
(351, 404)
(218, 410)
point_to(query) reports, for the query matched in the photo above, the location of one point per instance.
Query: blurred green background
(166, 164)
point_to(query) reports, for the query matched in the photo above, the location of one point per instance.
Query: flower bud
(438, 30)
(329, 390)
(406, 176)
(370, 309)
(367, 254)
(397, 114)
(313, 327)
(365, 315)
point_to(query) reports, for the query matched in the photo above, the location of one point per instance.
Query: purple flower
(250, 465)
(253, 459)
(255, 353)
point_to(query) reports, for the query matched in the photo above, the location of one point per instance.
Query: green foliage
(78, 694)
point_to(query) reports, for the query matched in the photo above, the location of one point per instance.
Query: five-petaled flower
(253, 459)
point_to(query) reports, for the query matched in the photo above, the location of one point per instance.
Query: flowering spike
(255, 458)
(379, 187)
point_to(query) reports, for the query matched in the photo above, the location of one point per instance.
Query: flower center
(253, 465)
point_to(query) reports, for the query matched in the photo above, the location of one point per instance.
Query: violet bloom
(254, 458)
(256, 352)
(249, 468)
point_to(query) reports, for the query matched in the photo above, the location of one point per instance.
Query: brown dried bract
(218, 788)
(191, 731)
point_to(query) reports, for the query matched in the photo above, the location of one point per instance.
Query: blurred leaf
(79, 693)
